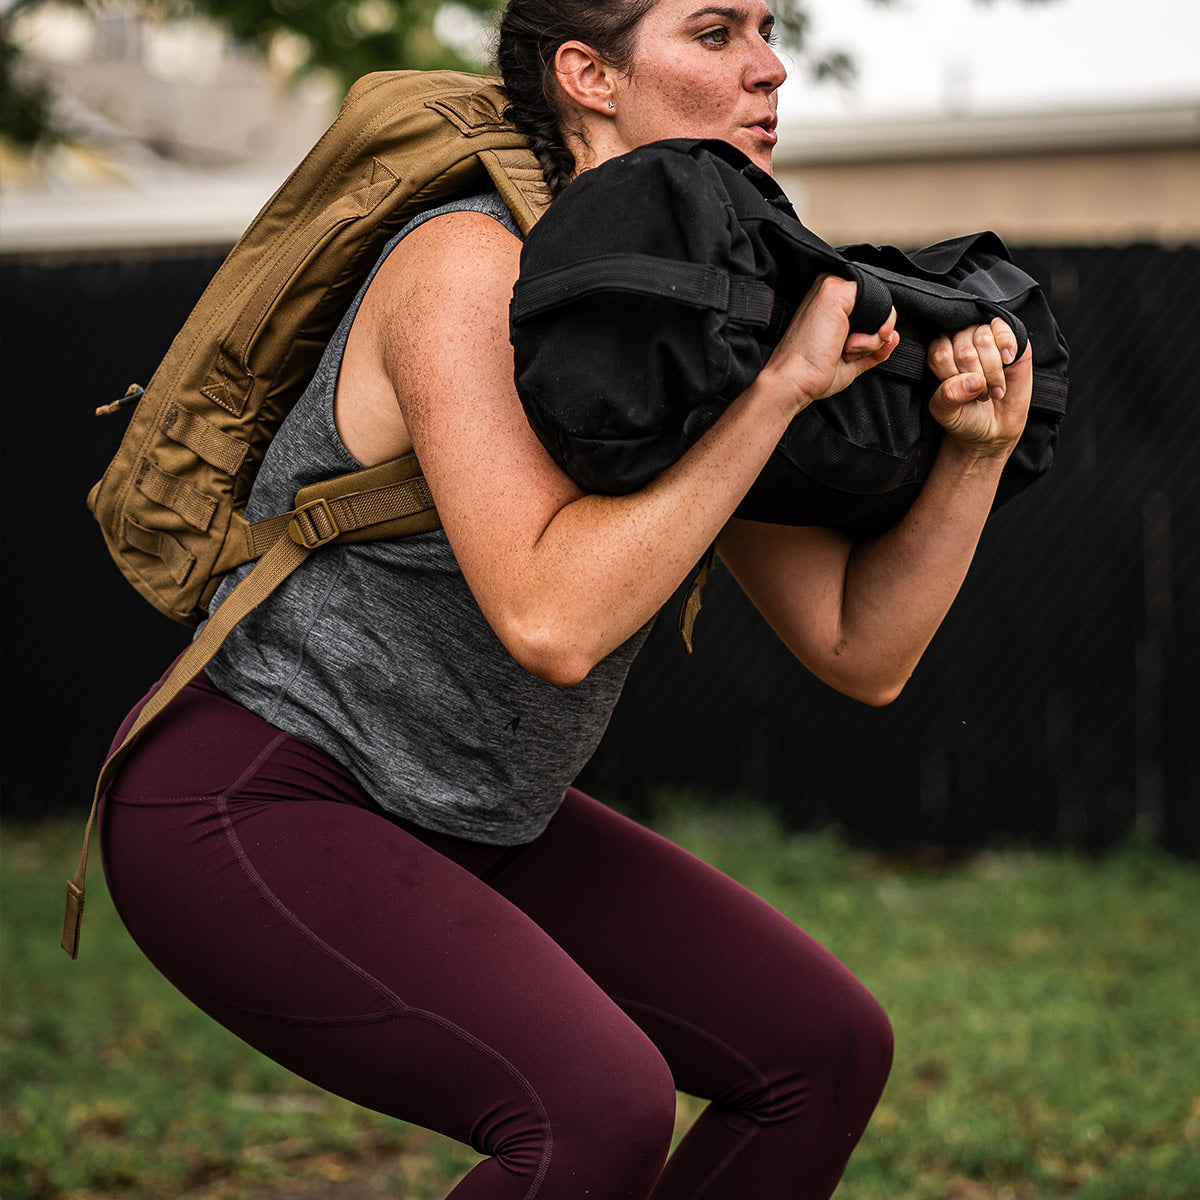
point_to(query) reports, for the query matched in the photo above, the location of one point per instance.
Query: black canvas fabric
(654, 289)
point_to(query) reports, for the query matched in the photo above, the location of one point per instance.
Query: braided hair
(531, 31)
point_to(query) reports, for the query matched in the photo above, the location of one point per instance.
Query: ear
(585, 77)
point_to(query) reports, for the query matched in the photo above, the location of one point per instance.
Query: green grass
(1047, 1014)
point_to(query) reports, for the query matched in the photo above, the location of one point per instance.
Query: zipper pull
(132, 394)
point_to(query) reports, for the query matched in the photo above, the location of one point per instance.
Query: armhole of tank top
(468, 204)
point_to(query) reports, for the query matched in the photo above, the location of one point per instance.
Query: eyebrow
(730, 14)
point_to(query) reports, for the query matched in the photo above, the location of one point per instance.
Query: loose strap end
(73, 920)
(690, 608)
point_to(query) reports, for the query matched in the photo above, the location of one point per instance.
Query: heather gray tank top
(379, 654)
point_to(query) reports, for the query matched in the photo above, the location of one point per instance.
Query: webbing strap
(203, 438)
(268, 573)
(170, 491)
(262, 535)
(690, 609)
(322, 515)
(693, 284)
(383, 501)
(161, 545)
(371, 506)
(908, 360)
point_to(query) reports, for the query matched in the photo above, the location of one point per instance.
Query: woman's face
(703, 70)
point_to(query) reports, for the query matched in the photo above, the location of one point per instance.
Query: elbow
(861, 675)
(559, 670)
(873, 692)
(549, 654)
(879, 695)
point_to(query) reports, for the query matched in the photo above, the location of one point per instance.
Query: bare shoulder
(445, 252)
(441, 299)
(441, 314)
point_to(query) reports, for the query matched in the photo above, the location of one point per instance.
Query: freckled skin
(564, 577)
(698, 72)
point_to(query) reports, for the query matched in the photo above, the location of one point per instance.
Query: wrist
(977, 456)
(776, 390)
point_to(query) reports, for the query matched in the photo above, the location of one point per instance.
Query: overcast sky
(924, 56)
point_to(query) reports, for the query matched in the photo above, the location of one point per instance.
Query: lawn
(1047, 1014)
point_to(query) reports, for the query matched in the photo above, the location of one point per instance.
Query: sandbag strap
(698, 286)
(908, 361)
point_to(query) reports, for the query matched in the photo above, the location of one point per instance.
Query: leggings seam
(401, 1008)
(719, 1169)
(730, 1052)
(705, 1035)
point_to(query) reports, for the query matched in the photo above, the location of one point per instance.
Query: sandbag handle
(872, 304)
(748, 300)
(1014, 323)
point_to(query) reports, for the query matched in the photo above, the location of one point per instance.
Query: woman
(350, 843)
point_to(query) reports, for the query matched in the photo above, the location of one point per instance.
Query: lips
(765, 129)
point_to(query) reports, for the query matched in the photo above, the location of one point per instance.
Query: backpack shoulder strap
(403, 142)
(389, 500)
(171, 504)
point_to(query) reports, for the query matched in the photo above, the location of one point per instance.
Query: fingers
(875, 346)
(958, 389)
(978, 352)
(1006, 340)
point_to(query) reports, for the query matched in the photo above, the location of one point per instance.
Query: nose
(765, 72)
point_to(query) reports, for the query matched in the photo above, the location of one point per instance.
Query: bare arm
(565, 577)
(859, 615)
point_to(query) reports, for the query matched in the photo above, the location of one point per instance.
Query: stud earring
(611, 104)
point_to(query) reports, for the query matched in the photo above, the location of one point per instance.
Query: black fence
(1060, 703)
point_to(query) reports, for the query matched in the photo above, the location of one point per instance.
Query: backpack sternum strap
(388, 500)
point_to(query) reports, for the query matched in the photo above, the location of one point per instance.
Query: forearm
(604, 565)
(562, 577)
(900, 585)
(859, 615)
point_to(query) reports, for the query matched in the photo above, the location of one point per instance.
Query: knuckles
(941, 357)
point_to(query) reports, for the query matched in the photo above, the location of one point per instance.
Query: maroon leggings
(540, 1002)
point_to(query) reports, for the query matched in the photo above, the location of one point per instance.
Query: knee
(607, 1119)
(871, 1045)
(835, 1060)
(620, 1125)
(852, 1056)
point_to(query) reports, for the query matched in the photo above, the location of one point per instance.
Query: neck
(594, 140)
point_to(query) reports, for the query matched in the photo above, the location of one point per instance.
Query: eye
(716, 37)
(768, 34)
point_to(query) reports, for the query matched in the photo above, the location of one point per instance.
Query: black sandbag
(654, 289)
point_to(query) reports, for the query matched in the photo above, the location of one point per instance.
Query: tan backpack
(171, 504)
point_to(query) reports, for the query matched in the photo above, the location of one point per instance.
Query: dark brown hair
(531, 31)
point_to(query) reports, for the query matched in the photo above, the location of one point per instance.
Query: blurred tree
(25, 102)
(345, 37)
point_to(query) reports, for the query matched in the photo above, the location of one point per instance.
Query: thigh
(733, 993)
(344, 947)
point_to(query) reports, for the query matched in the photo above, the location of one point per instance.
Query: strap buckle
(313, 524)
